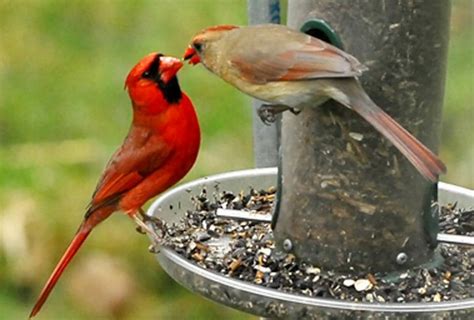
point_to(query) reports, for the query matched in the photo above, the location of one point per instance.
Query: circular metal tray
(271, 303)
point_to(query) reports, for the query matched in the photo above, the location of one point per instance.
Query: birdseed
(245, 250)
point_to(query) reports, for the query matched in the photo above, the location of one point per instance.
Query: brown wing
(140, 155)
(277, 53)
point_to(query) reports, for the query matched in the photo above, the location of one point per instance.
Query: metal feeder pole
(349, 199)
(265, 138)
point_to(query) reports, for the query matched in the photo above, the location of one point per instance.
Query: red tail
(425, 161)
(71, 251)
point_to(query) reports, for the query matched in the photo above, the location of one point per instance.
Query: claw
(267, 114)
(143, 227)
(140, 230)
(156, 222)
(295, 111)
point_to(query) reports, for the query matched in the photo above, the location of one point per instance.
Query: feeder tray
(271, 303)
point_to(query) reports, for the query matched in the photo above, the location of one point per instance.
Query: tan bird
(291, 70)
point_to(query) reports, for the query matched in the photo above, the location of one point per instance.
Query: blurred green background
(63, 111)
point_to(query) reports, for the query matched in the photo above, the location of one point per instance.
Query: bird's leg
(144, 216)
(140, 213)
(268, 112)
(145, 228)
(157, 222)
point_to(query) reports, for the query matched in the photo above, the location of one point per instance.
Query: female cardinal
(291, 70)
(160, 148)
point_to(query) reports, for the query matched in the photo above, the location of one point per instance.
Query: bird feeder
(347, 199)
(275, 304)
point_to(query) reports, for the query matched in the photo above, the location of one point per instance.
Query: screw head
(402, 258)
(287, 245)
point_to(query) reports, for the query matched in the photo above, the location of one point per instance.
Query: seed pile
(245, 250)
(454, 221)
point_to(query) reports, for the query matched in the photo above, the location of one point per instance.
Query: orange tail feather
(425, 161)
(71, 251)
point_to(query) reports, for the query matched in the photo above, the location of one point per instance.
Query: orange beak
(192, 56)
(169, 67)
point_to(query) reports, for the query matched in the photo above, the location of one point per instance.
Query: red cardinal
(160, 148)
(291, 70)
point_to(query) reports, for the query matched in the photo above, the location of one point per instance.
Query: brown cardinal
(291, 70)
(160, 148)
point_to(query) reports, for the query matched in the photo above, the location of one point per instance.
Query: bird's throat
(171, 91)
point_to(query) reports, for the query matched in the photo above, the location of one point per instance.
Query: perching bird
(291, 70)
(160, 148)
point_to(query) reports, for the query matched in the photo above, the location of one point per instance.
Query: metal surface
(287, 245)
(265, 137)
(346, 191)
(243, 215)
(455, 239)
(450, 194)
(271, 303)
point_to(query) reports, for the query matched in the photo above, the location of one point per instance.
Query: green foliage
(63, 110)
(457, 146)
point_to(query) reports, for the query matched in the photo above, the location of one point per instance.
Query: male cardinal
(160, 148)
(292, 70)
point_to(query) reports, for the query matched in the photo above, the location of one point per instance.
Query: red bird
(160, 148)
(291, 70)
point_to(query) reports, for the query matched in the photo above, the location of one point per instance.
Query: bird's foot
(144, 228)
(156, 222)
(268, 112)
(295, 111)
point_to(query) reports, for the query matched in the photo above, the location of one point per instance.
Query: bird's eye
(152, 70)
(198, 46)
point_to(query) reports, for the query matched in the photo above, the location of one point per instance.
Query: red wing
(306, 58)
(138, 157)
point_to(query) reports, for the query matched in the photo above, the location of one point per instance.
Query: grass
(63, 112)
